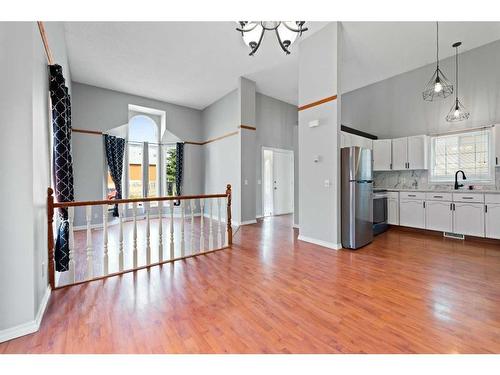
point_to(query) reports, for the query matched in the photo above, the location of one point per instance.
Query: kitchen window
(470, 151)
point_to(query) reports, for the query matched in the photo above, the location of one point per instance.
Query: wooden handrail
(136, 200)
(51, 205)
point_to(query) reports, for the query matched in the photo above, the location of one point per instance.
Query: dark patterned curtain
(179, 153)
(62, 160)
(115, 148)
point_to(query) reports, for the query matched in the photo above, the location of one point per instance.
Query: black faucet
(457, 185)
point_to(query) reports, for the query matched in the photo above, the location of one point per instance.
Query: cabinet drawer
(492, 198)
(464, 197)
(411, 195)
(438, 197)
(395, 194)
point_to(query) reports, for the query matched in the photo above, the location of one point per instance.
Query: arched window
(142, 182)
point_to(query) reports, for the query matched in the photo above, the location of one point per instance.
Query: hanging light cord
(456, 72)
(437, 43)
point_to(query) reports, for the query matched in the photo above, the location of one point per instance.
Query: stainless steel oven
(379, 211)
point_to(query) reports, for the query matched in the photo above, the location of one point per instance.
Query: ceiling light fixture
(286, 32)
(458, 111)
(438, 86)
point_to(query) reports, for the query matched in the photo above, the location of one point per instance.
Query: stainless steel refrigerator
(356, 197)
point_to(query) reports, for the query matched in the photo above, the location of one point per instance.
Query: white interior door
(282, 182)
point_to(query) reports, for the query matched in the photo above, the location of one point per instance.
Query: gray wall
(100, 109)
(221, 159)
(319, 204)
(277, 126)
(25, 158)
(395, 108)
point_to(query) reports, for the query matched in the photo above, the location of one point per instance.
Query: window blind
(469, 151)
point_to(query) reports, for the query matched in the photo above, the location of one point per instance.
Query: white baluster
(202, 232)
(105, 260)
(71, 244)
(226, 234)
(134, 236)
(120, 238)
(183, 244)
(160, 231)
(210, 232)
(219, 231)
(90, 255)
(148, 233)
(191, 247)
(171, 229)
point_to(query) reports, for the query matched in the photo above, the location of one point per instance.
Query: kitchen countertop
(475, 191)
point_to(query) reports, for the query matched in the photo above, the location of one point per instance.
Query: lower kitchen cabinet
(492, 221)
(439, 216)
(468, 219)
(393, 209)
(412, 213)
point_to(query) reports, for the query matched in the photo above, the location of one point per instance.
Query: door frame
(282, 150)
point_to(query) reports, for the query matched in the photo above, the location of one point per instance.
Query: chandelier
(438, 86)
(286, 32)
(457, 111)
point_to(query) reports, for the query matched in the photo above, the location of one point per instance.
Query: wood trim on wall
(84, 131)
(318, 102)
(45, 41)
(248, 127)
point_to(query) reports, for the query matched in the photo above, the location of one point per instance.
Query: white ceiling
(196, 63)
(187, 63)
(374, 51)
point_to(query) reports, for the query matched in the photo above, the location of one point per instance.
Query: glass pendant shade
(286, 32)
(438, 87)
(457, 111)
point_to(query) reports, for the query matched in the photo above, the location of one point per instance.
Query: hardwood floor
(404, 293)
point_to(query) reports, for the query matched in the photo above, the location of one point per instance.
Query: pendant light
(458, 111)
(438, 86)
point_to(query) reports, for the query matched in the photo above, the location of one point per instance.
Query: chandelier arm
(300, 30)
(281, 42)
(258, 43)
(247, 30)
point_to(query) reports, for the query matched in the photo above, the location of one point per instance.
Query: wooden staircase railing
(176, 251)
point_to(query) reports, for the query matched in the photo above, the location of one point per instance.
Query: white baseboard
(248, 222)
(28, 327)
(330, 245)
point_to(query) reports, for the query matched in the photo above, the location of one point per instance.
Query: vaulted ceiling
(196, 63)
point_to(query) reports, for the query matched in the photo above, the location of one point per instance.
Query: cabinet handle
(485, 208)
(467, 197)
(390, 166)
(408, 165)
(411, 195)
(451, 206)
(496, 160)
(424, 203)
(437, 196)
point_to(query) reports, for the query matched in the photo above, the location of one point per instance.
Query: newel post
(229, 227)
(50, 236)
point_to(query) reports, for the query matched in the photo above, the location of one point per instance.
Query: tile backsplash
(419, 180)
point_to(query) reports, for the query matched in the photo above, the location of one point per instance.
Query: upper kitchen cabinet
(496, 135)
(417, 152)
(349, 139)
(409, 153)
(399, 153)
(382, 155)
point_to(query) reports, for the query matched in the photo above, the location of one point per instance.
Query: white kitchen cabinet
(438, 216)
(382, 154)
(417, 152)
(399, 153)
(492, 221)
(496, 136)
(468, 219)
(393, 208)
(349, 139)
(412, 213)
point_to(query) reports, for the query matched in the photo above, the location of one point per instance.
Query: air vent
(455, 236)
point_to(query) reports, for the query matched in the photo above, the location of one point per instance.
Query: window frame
(470, 179)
